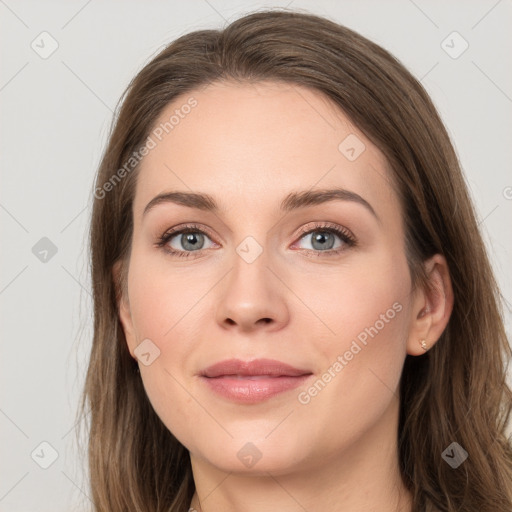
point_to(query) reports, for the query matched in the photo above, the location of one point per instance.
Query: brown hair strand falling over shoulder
(455, 392)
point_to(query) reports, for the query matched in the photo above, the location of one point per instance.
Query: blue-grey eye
(191, 241)
(322, 240)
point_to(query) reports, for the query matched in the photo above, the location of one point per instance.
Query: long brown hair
(456, 392)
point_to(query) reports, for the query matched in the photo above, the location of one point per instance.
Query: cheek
(369, 317)
(364, 313)
(163, 297)
(356, 312)
(165, 305)
(362, 301)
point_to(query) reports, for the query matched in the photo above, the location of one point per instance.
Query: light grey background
(55, 113)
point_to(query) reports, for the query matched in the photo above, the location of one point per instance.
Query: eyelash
(344, 234)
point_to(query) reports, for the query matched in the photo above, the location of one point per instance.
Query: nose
(252, 297)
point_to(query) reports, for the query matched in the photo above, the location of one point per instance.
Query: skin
(249, 146)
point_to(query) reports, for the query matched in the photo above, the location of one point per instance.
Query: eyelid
(346, 236)
(189, 226)
(325, 225)
(164, 239)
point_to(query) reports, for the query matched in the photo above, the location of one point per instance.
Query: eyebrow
(293, 201)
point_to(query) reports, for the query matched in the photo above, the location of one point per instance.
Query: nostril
(230, 321)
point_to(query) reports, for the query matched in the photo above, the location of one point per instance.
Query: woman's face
(280, 269)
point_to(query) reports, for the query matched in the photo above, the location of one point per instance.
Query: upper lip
(267, 367)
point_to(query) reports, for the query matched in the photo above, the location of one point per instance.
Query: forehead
(249, 145)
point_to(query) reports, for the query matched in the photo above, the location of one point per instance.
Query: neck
(364, 476)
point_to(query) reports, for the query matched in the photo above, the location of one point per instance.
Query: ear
(431, 308)
(123, 306)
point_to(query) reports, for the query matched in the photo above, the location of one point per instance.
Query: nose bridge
(251, 293)
(249, 279)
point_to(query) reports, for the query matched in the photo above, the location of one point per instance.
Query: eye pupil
(321, 237)
(194, 239)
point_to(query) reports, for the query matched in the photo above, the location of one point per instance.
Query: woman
(293, 306)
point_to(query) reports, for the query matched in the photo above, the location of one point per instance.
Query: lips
(252, 381)
(258, 367)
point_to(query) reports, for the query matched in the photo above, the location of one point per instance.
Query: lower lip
(253, 389)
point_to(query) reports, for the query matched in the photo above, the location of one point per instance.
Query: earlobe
(123, 307)
(432, 307)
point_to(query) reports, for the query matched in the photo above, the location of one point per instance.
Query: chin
(258, 457)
